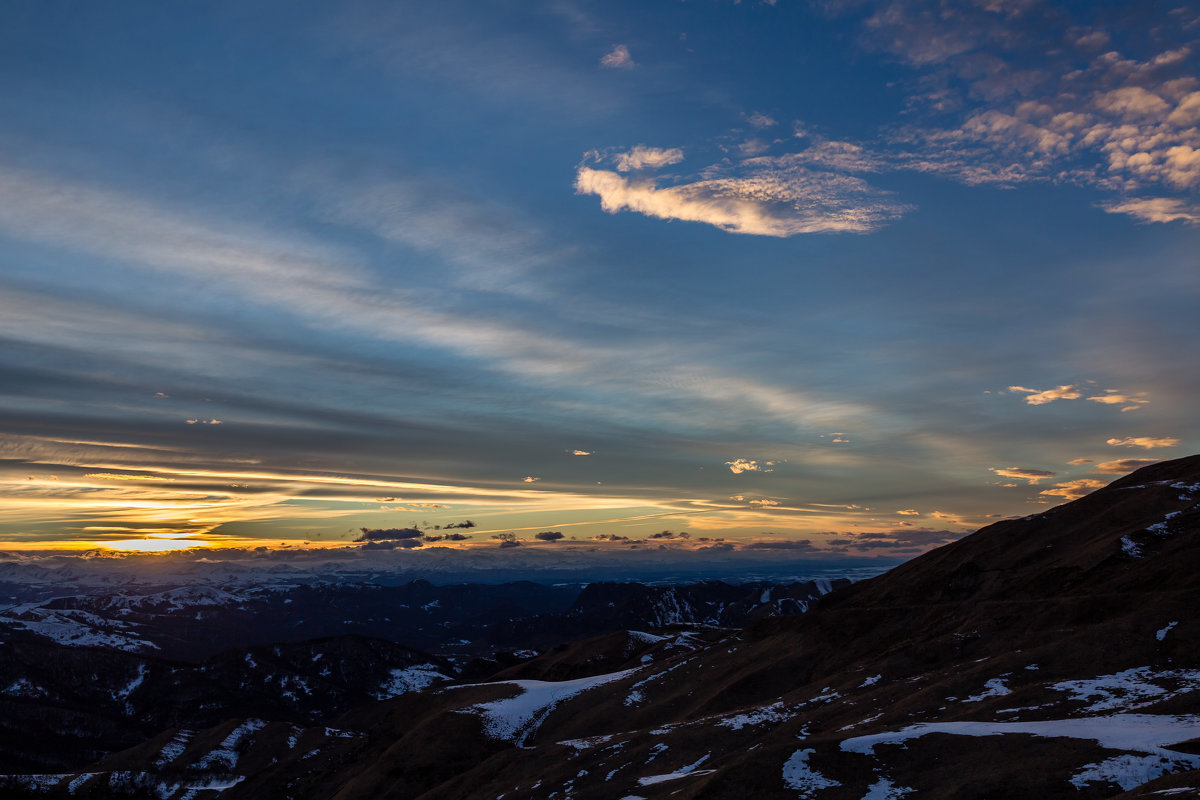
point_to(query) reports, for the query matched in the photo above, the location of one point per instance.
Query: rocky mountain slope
(1053, 656)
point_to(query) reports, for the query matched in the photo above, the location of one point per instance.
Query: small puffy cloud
(740, 465)
(393, 544)
(389, 534)
(548, 536)
(1122, 466)
(760, 121)
(642, 157)
(204, 422)
(1080, 461)
(763, 503)
(909, 512)
(1038, 397)
(1145, 442)
(446, 537)
(530, 479)
(618, 58)
(1031, 476)
(1113, 397)
(582, 452)
(670, 535)
(1132, 103)
(610, 537)
(1156, 209)
(1072, 490)
(507, 539)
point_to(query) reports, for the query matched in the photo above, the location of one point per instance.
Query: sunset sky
(835, 278)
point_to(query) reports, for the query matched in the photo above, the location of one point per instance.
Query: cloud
(393, 544)
(618, 58)
(530, 479)
(761, 199)
(1145, 442)
(740, 465)
(1156, 209)
(548, 536)
(1080, 461)
(1113, 397)
(1073, 490)
(1032, 476)
(760, 121)
(582, 452)
(670, 535)
(1123, 466)
(642, 157)
(797, 545)
(204, 422)
(446, 537)
(389, 534)
(1039, 397)
(909, 512)
(905, 537)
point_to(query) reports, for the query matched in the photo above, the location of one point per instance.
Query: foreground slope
(1052, 656)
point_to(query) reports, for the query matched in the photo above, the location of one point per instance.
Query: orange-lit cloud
(909, 512)
(1039, 397)
(1031, 476)
(740, 465)
(1073, 490)
(642, 157)
(765, 201)
(1145, 442)
(1113, 397)
(1075, 462)
(1157, 209)
(1122, 466)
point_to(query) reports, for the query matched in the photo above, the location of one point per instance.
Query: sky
(804, 279)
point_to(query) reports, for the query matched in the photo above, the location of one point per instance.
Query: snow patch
(993, 688)
(408, 679)
(1161, 633)
(883, 789)
(516, 718)
(174, 748)
(1145, 734)
(1130, 547)
(1132, 688)
(225, 754)
(759, 716)
(798, 775)
(682, 772)
(871, 681)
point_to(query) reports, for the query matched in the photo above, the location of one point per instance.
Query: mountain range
(1056, 655)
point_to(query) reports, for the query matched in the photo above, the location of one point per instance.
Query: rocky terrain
(1052, 656)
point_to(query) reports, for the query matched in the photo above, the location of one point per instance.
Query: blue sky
(856, 276)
